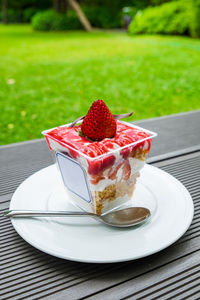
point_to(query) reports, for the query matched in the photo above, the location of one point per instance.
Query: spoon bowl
(126, 217)
(120, 218)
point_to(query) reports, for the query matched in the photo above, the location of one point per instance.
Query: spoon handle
(41, 213)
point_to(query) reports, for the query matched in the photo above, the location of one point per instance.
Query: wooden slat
(28, 273)
(168, 281)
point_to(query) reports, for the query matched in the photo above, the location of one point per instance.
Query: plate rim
(57, 254)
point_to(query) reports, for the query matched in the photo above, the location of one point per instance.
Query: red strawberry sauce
(125, 135)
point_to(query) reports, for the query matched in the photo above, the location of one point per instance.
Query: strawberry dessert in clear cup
(100, 175)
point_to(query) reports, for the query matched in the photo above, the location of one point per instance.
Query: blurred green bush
(168, 18)
(101, 17)
(195, 25)
(49, 20)
(176, 17)
(20, 16)
(28, 13)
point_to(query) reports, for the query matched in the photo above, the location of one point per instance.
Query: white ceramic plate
(86, 240)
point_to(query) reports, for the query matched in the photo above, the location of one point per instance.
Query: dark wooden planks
(19, 162)
(28, 273)
(169, 281)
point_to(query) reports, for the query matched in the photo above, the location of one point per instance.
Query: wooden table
(27, 273)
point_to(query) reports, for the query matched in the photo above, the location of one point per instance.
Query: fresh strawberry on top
(99, 123)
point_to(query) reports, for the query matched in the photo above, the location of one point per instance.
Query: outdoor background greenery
(49, 79)
(180, 17)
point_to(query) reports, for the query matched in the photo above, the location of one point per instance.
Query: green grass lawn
(49, 79)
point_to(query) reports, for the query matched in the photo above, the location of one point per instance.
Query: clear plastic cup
(105, 182)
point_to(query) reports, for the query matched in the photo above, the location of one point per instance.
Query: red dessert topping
(113, 172)
(126, 170)
(99, 165)
(125, 135)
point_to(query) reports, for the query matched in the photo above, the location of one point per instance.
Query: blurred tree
(117, 5)
(60, 6)
(4, 5)
(158, 2)
(15, 7)
(82, 17)
(22, 4)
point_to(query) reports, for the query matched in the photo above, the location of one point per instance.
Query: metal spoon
(120, 218)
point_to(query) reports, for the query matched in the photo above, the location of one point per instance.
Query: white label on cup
(73, 176)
